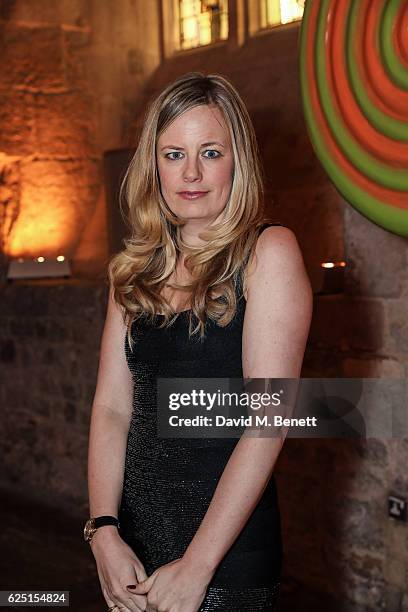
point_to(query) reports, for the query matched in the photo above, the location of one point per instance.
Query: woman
(199, 291)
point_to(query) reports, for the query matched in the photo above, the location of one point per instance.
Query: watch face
(89, 529)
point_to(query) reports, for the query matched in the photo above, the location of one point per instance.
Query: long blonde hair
(138, 273)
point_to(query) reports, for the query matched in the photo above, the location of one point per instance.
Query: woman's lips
(192, 195)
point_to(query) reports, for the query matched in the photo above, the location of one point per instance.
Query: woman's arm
(117, 564)
(276, 327)
(111, 412)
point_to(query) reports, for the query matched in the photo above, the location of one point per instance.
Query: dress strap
(268, 224)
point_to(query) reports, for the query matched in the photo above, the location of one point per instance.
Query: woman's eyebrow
(204, 144)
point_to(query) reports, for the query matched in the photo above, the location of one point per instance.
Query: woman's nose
(192, 170)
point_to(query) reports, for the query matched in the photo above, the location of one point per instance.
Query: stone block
(361, 576)
(376, 257)
(78, 72)
(361, 470)
(360, 526)
(46, 385)
(399, 480)
(393, 599)
(397, 327)
(7, 351)
(347, 323)
(65, 124)
(22, 303)
(41, 406)
(375, 452)
(9, 202)
(51, 329)
(32, 57)
(17, 122)
(372, 368)
(320, 363)
(71, 391)
(70, 12)
(70, 412)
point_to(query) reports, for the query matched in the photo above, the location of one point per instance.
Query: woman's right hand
(118, 566)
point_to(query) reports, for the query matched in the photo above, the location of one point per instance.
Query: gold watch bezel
(89, 529)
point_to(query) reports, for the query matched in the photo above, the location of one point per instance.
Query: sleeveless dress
(169, 483)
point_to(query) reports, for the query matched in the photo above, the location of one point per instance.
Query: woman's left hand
(175, 587)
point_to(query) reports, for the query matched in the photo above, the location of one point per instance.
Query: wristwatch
(93, 524)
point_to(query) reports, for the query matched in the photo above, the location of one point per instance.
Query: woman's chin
(193, 214)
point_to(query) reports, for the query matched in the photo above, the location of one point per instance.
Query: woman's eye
(213, 154)
(217, 154)
(173, 153)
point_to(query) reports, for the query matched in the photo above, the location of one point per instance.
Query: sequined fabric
(240, 600)
(169, 483)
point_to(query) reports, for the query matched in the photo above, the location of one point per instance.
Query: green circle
(389, 217)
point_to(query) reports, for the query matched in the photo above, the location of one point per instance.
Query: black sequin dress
(169, 483)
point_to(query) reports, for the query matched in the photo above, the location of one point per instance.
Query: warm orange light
(60, 258)
(40, 259)
(49, 220)
(331, 264)
(44, 233)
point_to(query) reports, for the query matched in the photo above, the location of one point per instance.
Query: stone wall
(70, 74)
(49, 349)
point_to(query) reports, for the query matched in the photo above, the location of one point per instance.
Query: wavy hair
(139, 272)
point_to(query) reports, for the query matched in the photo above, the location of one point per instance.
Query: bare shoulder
(276, 251)
(279, 307)
(278, 240)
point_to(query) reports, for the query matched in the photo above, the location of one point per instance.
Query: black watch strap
(101, 521)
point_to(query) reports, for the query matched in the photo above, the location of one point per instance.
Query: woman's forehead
(201, 122)
(204, 129)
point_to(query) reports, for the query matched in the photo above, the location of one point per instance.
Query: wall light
(39, 267)
(328, 277)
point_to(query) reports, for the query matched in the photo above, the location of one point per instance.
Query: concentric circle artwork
(353, 61)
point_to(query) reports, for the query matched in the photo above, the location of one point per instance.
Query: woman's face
(195, 164)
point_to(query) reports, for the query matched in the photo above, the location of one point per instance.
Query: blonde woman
(202, 289)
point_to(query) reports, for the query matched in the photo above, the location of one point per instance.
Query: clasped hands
(177, 586)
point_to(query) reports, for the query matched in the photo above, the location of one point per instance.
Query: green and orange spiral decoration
(354, 80)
